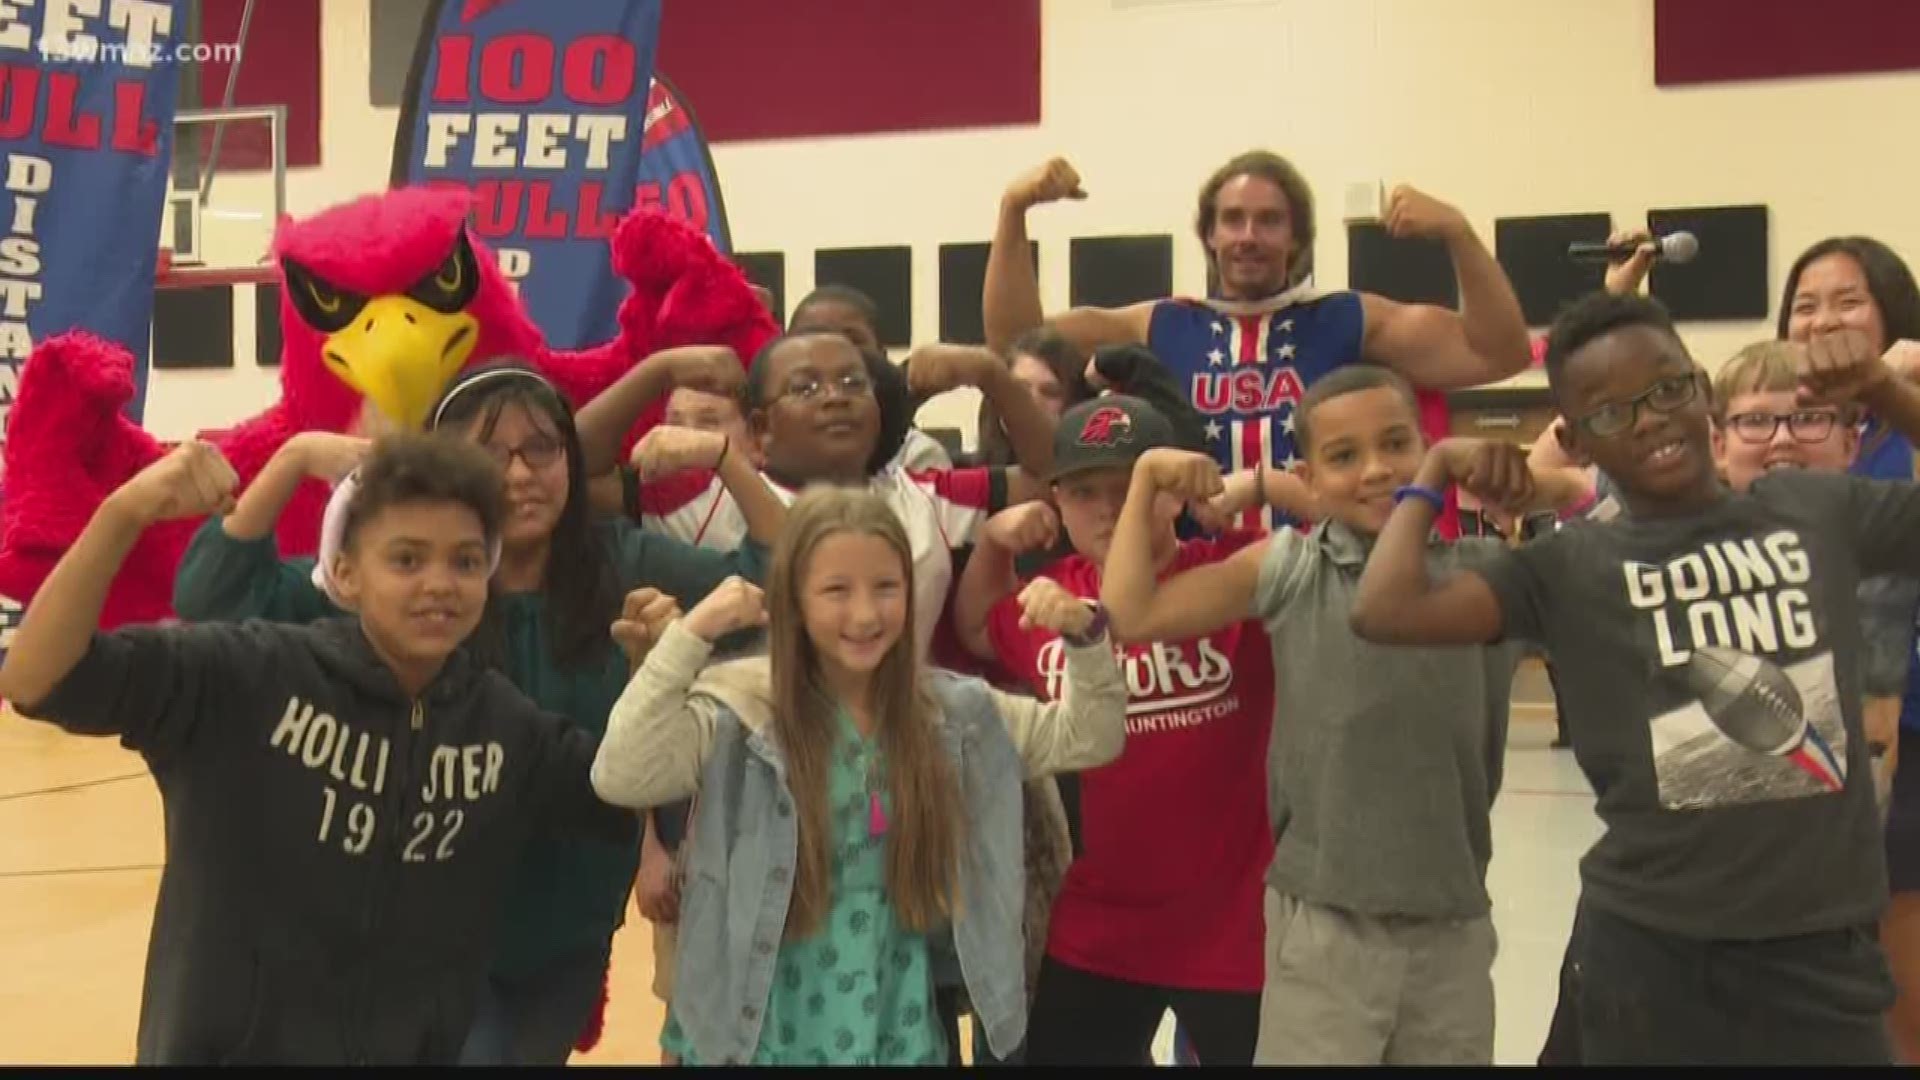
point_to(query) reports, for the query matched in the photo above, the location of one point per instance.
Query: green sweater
(570, 892)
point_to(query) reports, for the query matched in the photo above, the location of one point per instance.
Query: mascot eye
(450, 275)
(450, 288)
(320, 305)
(324, 298)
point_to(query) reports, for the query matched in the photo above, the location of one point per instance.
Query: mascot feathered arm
(69, 445)
(684, 292)
(69, 442)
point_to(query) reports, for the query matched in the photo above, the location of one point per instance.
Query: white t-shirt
(920, 452)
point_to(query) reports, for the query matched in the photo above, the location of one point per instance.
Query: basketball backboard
(226, 190)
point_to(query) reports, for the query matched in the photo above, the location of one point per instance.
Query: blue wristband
(1436, 499)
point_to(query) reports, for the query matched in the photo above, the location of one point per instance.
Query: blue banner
(676, 168)
(543, 110)
(86, 142)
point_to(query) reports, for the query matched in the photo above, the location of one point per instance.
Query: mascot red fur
(382, 301)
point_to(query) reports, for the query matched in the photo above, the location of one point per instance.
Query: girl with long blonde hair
(858, 833)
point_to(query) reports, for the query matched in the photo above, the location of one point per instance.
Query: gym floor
(81, 847)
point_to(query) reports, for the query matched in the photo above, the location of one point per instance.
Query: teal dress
(859, 991)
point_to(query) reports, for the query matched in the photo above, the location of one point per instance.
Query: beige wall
(1504, 107)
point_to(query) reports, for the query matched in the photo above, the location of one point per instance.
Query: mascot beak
(400, 354)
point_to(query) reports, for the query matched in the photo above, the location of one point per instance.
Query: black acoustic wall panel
(1112, 271)
(193, 327)
(1533, 252)
(767, 269)
(266, 325)
(963, 274)
(883, 273)
(1410, 271)
(1728, 279)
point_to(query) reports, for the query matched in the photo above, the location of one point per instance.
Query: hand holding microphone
(1676, 247)
(1631, 253)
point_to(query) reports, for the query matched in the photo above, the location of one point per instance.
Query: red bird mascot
(383, 300)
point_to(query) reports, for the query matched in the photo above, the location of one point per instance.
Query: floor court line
(7, 874)
(80, 785)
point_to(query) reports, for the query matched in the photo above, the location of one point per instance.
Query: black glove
(1135, 371)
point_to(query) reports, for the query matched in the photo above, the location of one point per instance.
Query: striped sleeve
(686, 506)
(962, 499)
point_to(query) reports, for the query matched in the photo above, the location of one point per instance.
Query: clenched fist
(1031, 526)
(734, 604)
(644, 616)
(1491, 470)
(1046, 605)
(1191, 477)
(1841, 367)
(715, 369)
(1414, 215)
(326, 456)
(1051, 182)
(1216, 515)
(938, 368)
(194, 480)
(667, 450)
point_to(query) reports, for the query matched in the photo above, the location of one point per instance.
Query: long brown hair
(925, 819)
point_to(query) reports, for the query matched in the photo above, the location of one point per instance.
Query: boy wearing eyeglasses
(823, 411)
(1762, 424)
(1709, 643)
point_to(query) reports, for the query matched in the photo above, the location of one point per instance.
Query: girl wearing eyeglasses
(1857, 287)
(560, 584)
(827, 410)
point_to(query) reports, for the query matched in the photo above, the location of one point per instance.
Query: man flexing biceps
(1248, 351)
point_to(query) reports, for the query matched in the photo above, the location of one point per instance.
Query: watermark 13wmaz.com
(90, 50)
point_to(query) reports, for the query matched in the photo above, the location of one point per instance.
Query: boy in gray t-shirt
(1383, 763)
(1708, 642)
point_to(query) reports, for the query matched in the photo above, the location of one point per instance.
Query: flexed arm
(1010, 300)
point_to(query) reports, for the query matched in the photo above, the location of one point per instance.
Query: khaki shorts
(1350, 989)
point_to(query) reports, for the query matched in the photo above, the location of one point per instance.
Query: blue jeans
(535, 1020)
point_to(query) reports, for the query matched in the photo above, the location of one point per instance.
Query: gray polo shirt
(1384, 761)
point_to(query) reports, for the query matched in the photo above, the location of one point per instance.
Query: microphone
(1678, 247)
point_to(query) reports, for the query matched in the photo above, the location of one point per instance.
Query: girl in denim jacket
(858, 833)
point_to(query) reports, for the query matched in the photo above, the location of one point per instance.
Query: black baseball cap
(1109, 431)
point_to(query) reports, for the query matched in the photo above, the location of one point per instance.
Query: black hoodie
(336, 851)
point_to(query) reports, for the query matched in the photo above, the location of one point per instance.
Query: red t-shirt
(1167, 889)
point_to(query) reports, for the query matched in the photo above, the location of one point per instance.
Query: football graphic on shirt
(1754, 704)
